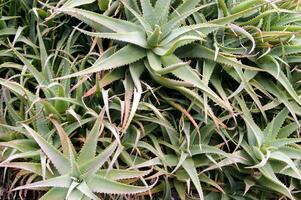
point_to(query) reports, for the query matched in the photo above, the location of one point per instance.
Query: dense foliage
(150, 99)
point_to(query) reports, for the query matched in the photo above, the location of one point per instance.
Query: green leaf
(189, 167)
(270, 181)
(55, 193)
(184, 7)
(76, 3)
(274, 126)
(57, 158)
(88, 150)
(97, 21)
(154, 38)
(46, 68)
(127, 55)
(104, 4)
(35, 73)
(17, 89)
(84, 188)
(270, 66)
(101, 185)
(255, 130)
(245, 4)
(277, 155)
(162, 10)
(91, 166)
(22, 145)
(186, 74)
(32, 167)
(148, 12)
(199, 51)
(177, 20)
(146, 26)
(26, 154)
(60, 181)
(137, 38)
(120, 174)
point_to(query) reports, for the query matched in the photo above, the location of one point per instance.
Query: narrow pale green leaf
(55, 193)
(88, 150)
(60, 181)
(101, 185)
(76, 3)
(57, 158)
(97, 21)
(189, 167)
(127, 55)
(92, 166)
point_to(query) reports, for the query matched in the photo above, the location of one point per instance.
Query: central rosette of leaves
(154, 38)
(151, 35)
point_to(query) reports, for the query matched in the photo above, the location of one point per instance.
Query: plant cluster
(150, 99)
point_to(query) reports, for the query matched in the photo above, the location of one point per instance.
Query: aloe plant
(162, 99)
(152, 41)
(76, 175)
